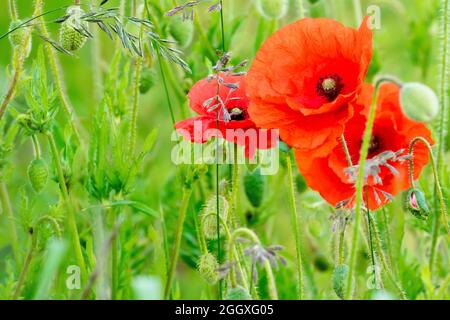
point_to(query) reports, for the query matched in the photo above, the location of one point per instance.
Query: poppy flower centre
(329, 86)
(374, 145)
(237, 114)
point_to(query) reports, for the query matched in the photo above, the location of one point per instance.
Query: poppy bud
(38, 174)
(69, 38)
(147, 80)
(419, 102)
(18, 37)
(207, 266)
(272, 9)
(255, 185)
(238, 293)
(300, 183)
(417, 204)
(340, 275)
(210, 216)
(181, 31)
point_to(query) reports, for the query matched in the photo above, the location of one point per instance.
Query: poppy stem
(383, 259)
(358, 11)
(272, 288)
(301, 9)
(440, 195)
(295, 226)
(13, 10)
(26, 265)
(7, 208)
(443, 81)
(372, 251)
(360, 184)
(71, 219)
(176, 247)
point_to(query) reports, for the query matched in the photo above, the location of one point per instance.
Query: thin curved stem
(442, 208)
(36, 147)
(272, 288)
(295, 226)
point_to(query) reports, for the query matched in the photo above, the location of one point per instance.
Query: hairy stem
(443, 82)
(26, 266)
(7, 208)
(187, 192)
(59, 83)
(440, 195)
(295, 227)
(383, 259)
(67, 201)
(359, 189)
(13, 10)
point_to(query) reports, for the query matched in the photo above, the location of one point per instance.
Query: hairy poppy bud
(181, 31)
(147, 80)
(207, 266)
(419, 102)
(210, 216)
(238, 293)
(255, 185)
(38, 174)
(272, 9)
(340, 275)
(417, 204)
(69, 36)
(18, 37)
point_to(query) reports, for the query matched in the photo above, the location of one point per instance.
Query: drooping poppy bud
(419, 102)
(340, 275)
(210, 216)
(417, 204)
(18, 37)
(38, 174)
(238, 293)
(182, 31)
(255, 186)
(272, 9)
(147, 80)
(207, 266)
(70, 37)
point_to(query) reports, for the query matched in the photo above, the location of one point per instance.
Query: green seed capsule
(238, 293)
(419, 102)
(209, 217)
(69, 38)
(147, 80)
(18, 37)
(272, 9)
(208, 266)
(255, 186)
(38, 174)
(182, 31)
(340, 275)
(417, 204)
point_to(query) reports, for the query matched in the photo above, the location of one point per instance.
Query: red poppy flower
(386, 170)
(234, 125)
(304, 77)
